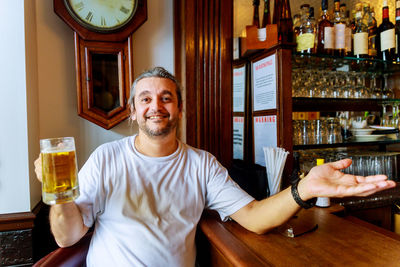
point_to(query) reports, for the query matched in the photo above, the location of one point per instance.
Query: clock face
(102, 15)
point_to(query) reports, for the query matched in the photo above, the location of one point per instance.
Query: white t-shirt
(146, 209)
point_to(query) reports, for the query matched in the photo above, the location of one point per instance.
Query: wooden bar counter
(336, 241)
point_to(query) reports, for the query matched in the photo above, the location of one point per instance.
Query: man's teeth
(156, 117)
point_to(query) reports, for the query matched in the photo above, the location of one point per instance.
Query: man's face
(156, 106)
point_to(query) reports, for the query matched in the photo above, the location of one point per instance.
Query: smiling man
(145, 193)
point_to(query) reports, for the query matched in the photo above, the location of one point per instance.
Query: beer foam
(57, 149)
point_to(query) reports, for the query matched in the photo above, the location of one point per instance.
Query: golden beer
(59, 172)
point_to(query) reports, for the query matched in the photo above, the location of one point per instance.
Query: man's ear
(133, 113)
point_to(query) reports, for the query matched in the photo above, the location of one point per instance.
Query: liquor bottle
(370, 21)
(296, 24)
(326, 39)
(306, 38)
(339, 25)
(353, 20)
(314, 22)
(277, 11)
(266, 17)
(283, 18)
(256, 19)
(360, 35)
(347, 32)
(386, 36)
(397, 30)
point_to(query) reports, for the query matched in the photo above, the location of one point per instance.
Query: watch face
(102, 15)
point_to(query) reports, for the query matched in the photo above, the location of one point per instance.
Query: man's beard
(171, 126)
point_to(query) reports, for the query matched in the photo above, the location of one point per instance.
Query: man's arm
(66, 220)
(67, 224)
(323, 181)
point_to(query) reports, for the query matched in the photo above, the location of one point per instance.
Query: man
(145, 193)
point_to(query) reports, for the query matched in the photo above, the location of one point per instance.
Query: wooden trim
(16, 221)
(83, 56)
(227, 245)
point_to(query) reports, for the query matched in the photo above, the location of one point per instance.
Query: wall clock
(103, 54)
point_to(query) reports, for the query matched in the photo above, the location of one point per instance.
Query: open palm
(327, 180)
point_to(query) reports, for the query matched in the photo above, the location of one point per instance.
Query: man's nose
(156, 104)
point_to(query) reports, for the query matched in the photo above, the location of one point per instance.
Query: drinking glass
(59, 170)
(387, 90)
(375, 90)
(385, 115)
(305, 130)
(395, 115)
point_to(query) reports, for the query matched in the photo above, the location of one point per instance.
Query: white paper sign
(239, 88)
(264, 83)
(238, 130)
(265, 134)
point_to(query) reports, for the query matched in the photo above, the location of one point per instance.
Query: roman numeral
(89, 16)
(124, 10)
(79, 6)
(103, 21)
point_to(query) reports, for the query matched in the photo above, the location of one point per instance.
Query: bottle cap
(323, 202)
(384, 3)
(320, 161)
(397, 4)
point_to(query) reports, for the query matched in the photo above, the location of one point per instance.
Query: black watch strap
(295, 193)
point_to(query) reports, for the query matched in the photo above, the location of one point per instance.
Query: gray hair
(157, 72)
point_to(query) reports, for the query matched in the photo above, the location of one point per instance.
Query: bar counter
(336, 241)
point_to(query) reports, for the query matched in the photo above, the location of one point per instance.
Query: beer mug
(59, 170)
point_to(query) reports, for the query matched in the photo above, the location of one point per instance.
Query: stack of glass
(364, 162)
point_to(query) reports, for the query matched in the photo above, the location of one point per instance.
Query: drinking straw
(275, 158)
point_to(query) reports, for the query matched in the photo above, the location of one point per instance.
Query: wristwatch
(295, 193)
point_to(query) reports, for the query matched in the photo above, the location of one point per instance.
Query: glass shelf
(350, 142)
(333, 104)
(328, 62)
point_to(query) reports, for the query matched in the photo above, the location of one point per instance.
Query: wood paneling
(203, 49)
(16, 221)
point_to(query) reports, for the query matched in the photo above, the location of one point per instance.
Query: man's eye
(166, 99)
(145, 100)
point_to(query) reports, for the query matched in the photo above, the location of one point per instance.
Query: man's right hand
(38, 167)
(65, 219)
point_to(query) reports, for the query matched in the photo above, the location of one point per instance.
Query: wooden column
(203, 63)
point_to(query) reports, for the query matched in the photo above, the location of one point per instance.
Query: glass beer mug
(59, 170)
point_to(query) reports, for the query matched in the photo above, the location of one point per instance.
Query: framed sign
(264, 83)
(239, 88)
(265, 134)
(238, 137)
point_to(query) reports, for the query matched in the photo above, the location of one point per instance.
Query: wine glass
(387, 90)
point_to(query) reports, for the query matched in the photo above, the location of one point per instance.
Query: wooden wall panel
(203, 49)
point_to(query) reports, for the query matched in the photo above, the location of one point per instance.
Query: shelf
(327, 62)
(351, 142)
(334, 104)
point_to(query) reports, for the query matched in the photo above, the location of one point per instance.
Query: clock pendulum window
(103, 54)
